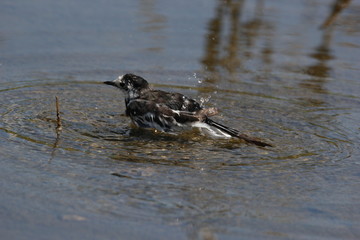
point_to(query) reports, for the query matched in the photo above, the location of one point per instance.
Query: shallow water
(266, 65)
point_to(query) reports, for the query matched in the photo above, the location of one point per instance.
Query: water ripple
(94, 123)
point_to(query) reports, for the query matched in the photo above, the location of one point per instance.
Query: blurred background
(284, 71)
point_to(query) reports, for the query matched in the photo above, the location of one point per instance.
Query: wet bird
(167, 111)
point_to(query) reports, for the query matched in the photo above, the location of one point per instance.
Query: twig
(58, 118)
(58, 129)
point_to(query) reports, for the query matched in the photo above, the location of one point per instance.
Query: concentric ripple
(94, 123)
(98, 151)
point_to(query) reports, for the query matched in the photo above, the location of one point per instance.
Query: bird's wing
(150, 114)
(174, 101)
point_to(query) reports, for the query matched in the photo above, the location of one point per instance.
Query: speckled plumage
(165, 111)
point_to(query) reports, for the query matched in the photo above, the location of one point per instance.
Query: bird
(168, 111)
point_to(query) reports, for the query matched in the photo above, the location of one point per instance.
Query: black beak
(110, 83)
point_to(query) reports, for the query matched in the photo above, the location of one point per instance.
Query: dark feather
(175, 101)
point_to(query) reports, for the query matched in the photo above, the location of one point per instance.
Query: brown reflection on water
(231, 42)
(322, 54)
(242, 40)
(336, 9)
(229, 39)
(319, 72)
(153, 24)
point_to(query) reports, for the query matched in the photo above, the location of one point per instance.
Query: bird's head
(129, 83)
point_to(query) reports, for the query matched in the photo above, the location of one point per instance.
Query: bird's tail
(235, 133)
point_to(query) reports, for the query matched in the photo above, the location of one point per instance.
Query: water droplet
(204, 100)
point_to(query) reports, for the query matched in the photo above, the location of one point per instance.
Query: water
(269, 68)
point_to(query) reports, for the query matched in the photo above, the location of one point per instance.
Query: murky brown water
(269, 68)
